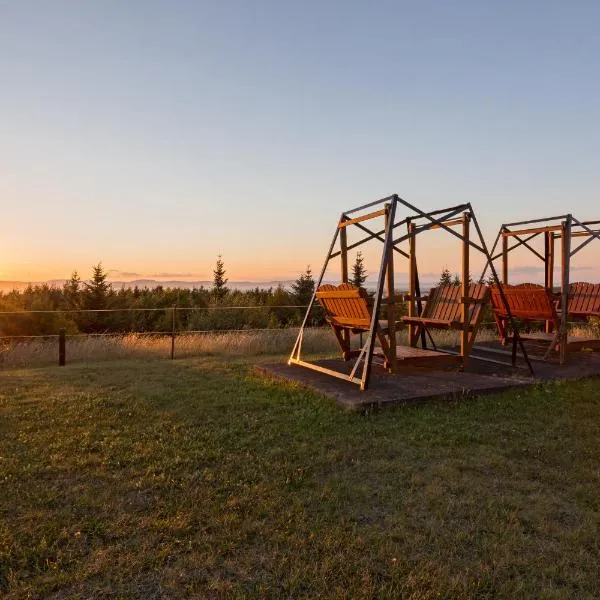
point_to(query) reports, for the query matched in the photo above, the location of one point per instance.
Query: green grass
(193, 478)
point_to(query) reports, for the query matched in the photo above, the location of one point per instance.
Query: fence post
(173, 332)
(62, 347)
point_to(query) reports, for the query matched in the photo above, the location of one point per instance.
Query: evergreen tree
(359, 273)
(72, 292)
(98, 289)
(304, 287)
(456, 280)
(220, 289)
(445, 277)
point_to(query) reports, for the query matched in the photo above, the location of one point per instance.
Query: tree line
(94, 306)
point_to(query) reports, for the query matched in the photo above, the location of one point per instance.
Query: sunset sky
(153, 136)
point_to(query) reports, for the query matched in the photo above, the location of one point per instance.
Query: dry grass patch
(28, 353)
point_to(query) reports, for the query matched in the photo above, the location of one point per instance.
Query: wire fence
(61, 345)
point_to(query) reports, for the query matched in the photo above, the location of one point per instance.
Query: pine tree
(456, 280)
(359, 273)
(98, 289)
(72, 292)
(304, 287)
(220, 289)
(445, 277)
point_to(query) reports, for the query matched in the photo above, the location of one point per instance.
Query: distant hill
(8, 286)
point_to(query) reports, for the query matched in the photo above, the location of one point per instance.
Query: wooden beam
(585, 233)
(450, 223)
(308, 365)
(509, 233)
(549, 269)
(464, 308)
(564, 304)
(344, 267)
(369, 346)
(391, 308)
(377, 213)
(520, 242)
(504, 259)
(368, 205)
(543, 220)
(412, 281)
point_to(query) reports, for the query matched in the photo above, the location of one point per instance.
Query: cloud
(172, 275)
(535, 270)
(126, 274)
(526, 270)
(118, 274)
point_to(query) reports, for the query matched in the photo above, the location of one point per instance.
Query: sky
(153, 136)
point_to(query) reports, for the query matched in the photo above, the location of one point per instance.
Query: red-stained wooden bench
(584, 300)
(349, 308)
(526, 303)
(443, 310)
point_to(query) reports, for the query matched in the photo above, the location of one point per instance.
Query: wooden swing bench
(350, 309)
(443, 310)
(584, 300)
(526, 303)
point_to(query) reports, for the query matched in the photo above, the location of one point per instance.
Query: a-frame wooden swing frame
(416, 222)
(562, 227)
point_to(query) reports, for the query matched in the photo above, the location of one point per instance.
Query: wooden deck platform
(574, 343)
(408, 385)
(418, 357)
(416, 381)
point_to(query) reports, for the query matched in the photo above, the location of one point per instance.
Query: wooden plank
(449, 223)
(412, 306)
(344, 273)
(566, 268)
(377, 213)
(512, 233)
(324, 370)
(504, 259)
(338, 293)
(584, 233)
(391, 309)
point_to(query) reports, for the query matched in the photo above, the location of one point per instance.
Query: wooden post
(344, 273)
(62, 347)
(564, 303)
(549, 268)
(465, 306)
(412, 280)
(173, 332)
(391, 308)
(388, 243)
(504, 259)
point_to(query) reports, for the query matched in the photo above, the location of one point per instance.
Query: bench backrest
(345, 305)
(445, 301)
(530, 303)
(584, 299)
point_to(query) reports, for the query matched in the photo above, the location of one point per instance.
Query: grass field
(156, 479)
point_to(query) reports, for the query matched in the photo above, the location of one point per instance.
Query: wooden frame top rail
(449, 223)
(530, 221)
(372, 215)
(510, 233)
(581, 233)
